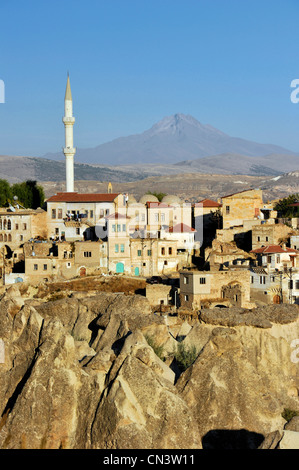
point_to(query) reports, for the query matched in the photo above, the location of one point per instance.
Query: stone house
(270, 234)
(223, 255)
(159, 294)
(276, 257)
(20, 225)
(153, 256)
(48, 260)
(212, 288)
(118, 243)
(244, 205)
(87, 210)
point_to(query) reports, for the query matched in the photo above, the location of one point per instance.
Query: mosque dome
(171, 199)
(131, 199)
(148, 198)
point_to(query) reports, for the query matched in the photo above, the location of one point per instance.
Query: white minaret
(69, 150)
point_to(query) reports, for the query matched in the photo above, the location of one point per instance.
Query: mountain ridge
(173, 139)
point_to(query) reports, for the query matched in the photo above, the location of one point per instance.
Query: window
(202, 280)
(24, 226)
(272, 278)
(107, 212)
(267, 239)
(186, 298)
(59, 214)
(87, 254)
(143, 217)
(53, 213)
(116, 248)
(186, 280)
(165, 263)
(113, 228)
(170, 251)
(149, 252)
(35, 267)
(262, 279)
(252, 279)
(45, 267)
(9, 224)
(139, 252)
(258, 239)
(297, 285)
(124, 227)
(91, 214)
(227, 210)
(122, 248)
(21, 238)
(0, 224)
(118, 227)
(156, 217)
(291, 284)
(56, 231)
(17, 227)
(77, 231)
(162, 217)
(162, 250)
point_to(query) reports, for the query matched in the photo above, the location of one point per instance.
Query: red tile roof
(180, 228)
(208, 203)
(274, 249)
(82, 197)
(116, 215)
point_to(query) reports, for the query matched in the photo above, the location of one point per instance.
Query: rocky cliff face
(80, 373)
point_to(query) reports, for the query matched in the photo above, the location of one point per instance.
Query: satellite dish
(15, 198)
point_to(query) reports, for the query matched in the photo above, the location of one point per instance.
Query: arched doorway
(82, 271)
(120, 268)
(136, 271)
(277, 299)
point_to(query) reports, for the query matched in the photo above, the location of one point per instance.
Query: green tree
(159, 196)
(5, 193)
(283, 206)
(29, 194)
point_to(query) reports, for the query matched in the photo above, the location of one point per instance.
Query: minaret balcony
(68, 120)
(69, 150)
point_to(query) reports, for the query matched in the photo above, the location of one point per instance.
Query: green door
(120, 268)
(136, 271)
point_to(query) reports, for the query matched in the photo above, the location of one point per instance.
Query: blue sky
(228, 63)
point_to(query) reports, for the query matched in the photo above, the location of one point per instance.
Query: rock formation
(80, 373)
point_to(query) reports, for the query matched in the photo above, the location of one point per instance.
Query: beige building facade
(212, 288)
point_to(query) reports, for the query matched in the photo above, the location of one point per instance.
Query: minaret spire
(69, 150)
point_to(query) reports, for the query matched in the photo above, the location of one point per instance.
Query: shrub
(185, 356)
(288, 414)
(158, 350)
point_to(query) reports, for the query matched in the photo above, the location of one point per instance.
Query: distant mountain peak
(181, 122)
(176, 138)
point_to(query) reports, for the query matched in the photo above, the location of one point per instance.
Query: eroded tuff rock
(107, 390)
(79, 373)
